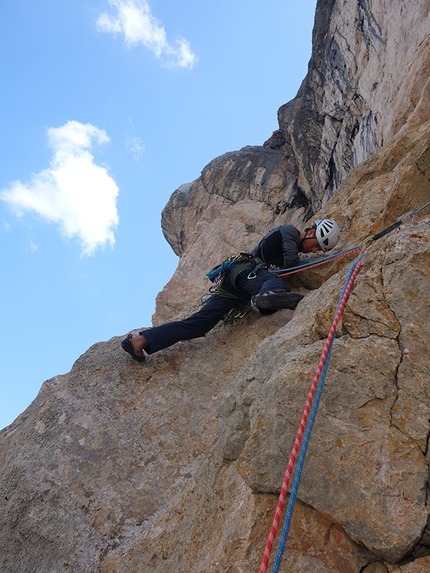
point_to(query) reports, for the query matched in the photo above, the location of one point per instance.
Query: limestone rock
(176, 465)
(371, 432)
(418, 566)
(367, 82)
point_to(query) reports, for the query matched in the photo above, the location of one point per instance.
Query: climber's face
(310, 243)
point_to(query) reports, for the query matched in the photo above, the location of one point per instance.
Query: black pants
(214, 309)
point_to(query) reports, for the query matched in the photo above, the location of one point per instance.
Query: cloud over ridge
(133, 19)
(74, 193)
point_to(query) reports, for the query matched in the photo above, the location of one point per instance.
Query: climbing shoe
(277, 300)
(127, 346)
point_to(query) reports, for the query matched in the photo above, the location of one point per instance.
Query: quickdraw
(240, 263)
(371, 238)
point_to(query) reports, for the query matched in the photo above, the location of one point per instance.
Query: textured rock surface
(366, 440)
(176, 465)
(368, 81)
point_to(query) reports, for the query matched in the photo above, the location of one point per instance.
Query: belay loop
(235, 266)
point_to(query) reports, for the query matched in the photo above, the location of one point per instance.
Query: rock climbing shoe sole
(278, 301)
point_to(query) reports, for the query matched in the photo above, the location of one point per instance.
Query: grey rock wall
(367, 80)
(176, 465)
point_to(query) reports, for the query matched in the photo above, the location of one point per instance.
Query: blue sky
(107, 107)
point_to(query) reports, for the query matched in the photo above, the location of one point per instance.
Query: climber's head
(327, 233)
(323, 235)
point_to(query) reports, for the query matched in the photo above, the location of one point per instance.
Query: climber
(249, 280)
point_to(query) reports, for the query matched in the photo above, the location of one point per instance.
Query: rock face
(176, 465)
(368, 81)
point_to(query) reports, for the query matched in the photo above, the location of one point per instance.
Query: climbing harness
(315, 391)
(235, 266)
(246, 264)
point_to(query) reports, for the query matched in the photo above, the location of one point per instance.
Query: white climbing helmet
(327, 233)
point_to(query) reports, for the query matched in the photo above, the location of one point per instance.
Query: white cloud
(133, 19)
(31, 247)
(73, 192)
(135, 146)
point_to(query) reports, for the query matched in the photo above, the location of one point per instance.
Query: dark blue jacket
(280, 247)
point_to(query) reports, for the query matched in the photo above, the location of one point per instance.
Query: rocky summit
(176, 465)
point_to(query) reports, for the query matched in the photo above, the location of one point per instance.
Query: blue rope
(304, 447)
(300, 463)
(316, 262)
